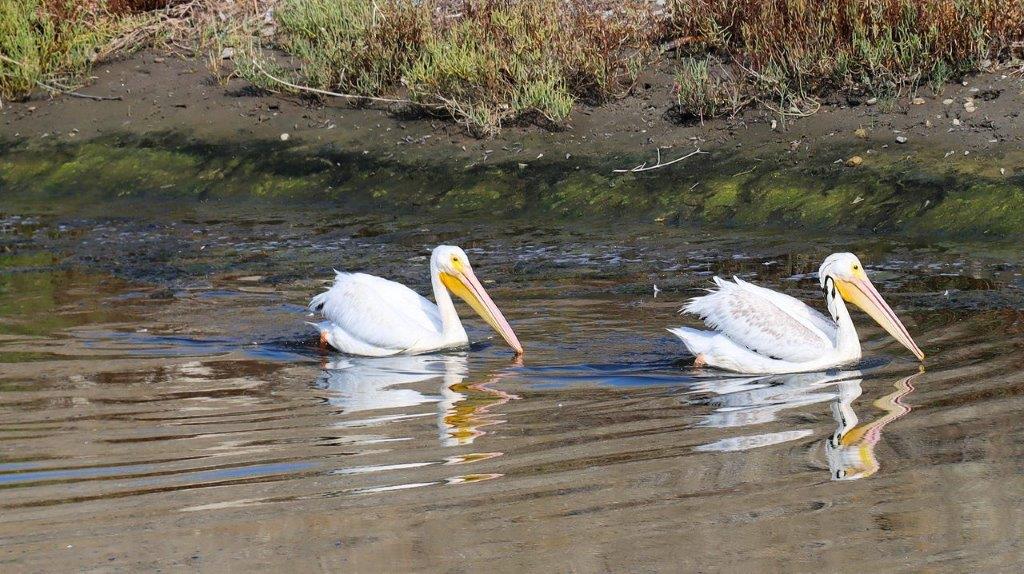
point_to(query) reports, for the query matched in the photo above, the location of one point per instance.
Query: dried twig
(60, 90)
(659, 164)
(334, 94)
(79, 94)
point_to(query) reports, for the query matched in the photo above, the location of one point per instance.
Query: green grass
(51, 44)
(785, 53)
(498, 61)
(705, 89)
(38, 47)
(491, 63)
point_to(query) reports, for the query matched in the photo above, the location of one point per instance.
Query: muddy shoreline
(927, 170)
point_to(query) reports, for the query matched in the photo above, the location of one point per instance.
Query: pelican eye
(856, 267)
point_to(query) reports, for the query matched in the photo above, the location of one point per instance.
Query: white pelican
(370, 316)
(763, 331)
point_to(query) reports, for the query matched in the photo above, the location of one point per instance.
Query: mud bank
(924, 194)
(928, 170)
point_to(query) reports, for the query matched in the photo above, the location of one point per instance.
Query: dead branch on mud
(644, 167)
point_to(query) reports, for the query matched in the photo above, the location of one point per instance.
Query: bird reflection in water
(851, 449)
(751, 401)
(358, 384)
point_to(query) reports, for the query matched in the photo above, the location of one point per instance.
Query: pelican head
(849, 279)
(452, 266)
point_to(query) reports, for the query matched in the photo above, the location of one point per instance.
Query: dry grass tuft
(51, 44)
(785, 52)
(490, 63)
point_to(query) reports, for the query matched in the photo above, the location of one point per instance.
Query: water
(162, 405)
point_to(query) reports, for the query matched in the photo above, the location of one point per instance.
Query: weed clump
(49, 44)
(705, 89)
(783, 53)
(496, 61)
(352, 45)
(44, 43)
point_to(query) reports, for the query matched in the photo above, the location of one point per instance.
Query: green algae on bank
(925, 195)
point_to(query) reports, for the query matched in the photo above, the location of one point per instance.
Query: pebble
(227, 53)
(927, 123)
(901, 139)
(284, 137)
(917, 101)
(854, 161)
(872, 101)
(956, 121)
(861, 133)
(947, 101)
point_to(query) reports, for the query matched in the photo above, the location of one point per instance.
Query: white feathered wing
(771, 324)
(374, 316)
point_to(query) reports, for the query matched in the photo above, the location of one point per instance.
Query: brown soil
(161, 93)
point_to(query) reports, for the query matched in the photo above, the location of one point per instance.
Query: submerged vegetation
(929, 197)
(489, 63)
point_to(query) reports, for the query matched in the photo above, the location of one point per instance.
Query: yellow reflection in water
(466, 411)
(851, 449)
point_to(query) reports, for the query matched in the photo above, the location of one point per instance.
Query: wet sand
(165, 93)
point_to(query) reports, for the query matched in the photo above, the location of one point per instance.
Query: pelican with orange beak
(757, 330)
(370, 316)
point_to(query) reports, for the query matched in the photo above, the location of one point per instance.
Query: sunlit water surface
(162, 405)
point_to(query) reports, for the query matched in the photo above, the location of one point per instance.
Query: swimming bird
(370, 316)
(758, 330)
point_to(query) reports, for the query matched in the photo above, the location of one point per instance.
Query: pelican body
(757, 330)
(370, 316)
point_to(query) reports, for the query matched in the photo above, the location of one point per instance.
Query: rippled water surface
(162, 405)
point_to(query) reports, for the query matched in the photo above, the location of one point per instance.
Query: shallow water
(163, 406)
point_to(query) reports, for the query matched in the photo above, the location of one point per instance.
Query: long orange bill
(863, 294)
(469, 289)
